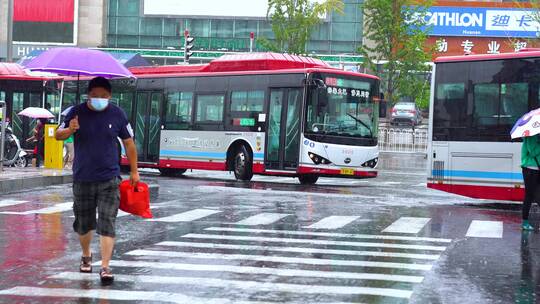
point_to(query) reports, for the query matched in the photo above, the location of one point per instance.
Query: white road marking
(187, 216)
(279, 259)
(9, 202)
(264, 270)
(333, 222)
(265, 218)
(312, 242)
(119, 295)
(275, 192)
(410, 225)
(333, 234)
(246, 285)
(303, 250)
(485, 229)
(49, 210)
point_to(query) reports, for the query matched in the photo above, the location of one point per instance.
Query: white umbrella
(34, 112)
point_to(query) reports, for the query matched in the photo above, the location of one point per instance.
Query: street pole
(3, 135)
(251, 39)
(186, 34)
(9, 57)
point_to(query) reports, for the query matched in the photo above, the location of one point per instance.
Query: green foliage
(397, 41)
(293, 21)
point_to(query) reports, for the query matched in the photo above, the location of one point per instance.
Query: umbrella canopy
(77, 61)
(34, 112)
(527, 125)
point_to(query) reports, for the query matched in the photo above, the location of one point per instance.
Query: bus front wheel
(171, 172)
(308, 179)
(243, 164)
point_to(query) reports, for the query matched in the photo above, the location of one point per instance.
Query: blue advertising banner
(482, 22)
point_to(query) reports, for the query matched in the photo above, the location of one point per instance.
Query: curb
(32, 182)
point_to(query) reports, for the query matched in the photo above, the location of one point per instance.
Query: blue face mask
(99, 104)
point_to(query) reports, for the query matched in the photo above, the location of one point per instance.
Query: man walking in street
(96, 125)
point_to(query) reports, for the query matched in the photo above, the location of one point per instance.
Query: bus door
(147, 125)
(282, 146)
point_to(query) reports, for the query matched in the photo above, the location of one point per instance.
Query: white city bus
(475, 101)
(266, 113)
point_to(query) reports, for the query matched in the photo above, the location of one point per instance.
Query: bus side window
(178, 111)
(210, 108)
(247, 101)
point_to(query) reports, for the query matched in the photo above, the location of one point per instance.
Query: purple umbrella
(73, 61)
(76, 61)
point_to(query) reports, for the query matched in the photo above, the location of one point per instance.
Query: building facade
(157, 27)
(50, 23)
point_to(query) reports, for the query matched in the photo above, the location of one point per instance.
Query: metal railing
(406, 140)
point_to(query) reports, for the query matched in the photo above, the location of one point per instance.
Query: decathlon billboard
(209, 8)
(482, 22)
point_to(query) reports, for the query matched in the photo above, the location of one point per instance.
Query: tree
(293, 22)
(397, 32)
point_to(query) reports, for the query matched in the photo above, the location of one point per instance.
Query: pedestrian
(38, 139)
(95, 125)
(530, 164)
(70, 152)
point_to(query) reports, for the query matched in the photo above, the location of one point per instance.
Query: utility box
(54, 149)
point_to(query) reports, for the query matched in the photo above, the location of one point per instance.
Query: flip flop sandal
(106, 276)
(86, 264)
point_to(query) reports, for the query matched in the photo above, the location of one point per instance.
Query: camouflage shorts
(89, 196)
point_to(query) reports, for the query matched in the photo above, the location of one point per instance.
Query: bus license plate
(347, 171)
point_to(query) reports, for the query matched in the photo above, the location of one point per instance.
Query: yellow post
(54, 149)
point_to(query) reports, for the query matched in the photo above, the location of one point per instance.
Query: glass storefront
(129, 28)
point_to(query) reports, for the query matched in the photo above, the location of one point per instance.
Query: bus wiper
(362, 123)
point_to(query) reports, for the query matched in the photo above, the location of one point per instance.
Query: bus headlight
(317, 159)
(371, 163)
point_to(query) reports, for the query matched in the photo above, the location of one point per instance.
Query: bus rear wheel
(171, 172)
(243, 164)
(308, 179)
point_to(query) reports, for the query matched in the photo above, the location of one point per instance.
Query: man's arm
(64, 133)
(131, 152)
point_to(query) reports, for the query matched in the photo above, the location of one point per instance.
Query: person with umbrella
(96, 125)
(41, 115)
(527, 127)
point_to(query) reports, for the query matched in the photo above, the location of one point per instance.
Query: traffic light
(188, 45)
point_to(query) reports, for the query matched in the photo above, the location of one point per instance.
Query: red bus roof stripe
(44, 11)
(483, 57)
(246, 64)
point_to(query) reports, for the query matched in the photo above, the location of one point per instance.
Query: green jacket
(529, 151)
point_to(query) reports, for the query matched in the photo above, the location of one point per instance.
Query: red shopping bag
(135, 200)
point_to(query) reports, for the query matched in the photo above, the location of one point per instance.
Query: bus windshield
(343, 107)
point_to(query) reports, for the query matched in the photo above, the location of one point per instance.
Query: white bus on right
(475, 101)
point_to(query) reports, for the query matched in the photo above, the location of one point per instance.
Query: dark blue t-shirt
(96, 143)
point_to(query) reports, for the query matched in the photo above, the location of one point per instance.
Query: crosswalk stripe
(410, 225)
(119, 295)
(274, 192)
(303, 250)
(485, 229)
(265, 218)
(332, 234)
(49, 210)
(247, 285)
(313, 242)
(333, 222)
(265, 270)
(280, 259)
(187, 216)
(10, 202)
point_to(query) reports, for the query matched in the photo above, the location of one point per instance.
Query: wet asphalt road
(215, 240)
